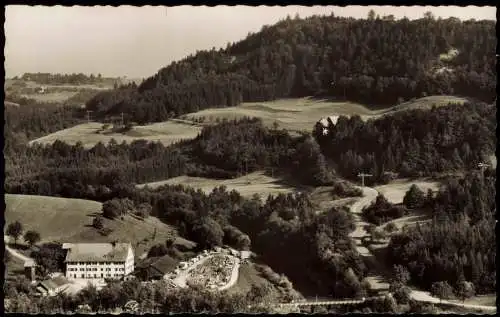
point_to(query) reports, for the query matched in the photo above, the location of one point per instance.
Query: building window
(102, 275)
(83, 275)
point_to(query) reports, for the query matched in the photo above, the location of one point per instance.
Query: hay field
(396, 190)
(70, 220)
(165, 132)
(427, 103)
(292, 114)
(51, 97)
(53, 217)
(301, 114)
(247, 186)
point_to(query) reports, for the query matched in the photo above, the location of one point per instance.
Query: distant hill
(375, 62)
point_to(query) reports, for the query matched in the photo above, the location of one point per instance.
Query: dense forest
(459, 244)
(412, 143)
(373, 61)
(152, 298)
(32, 120)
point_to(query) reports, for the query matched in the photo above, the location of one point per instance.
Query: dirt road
(15, 253)
(378, 280)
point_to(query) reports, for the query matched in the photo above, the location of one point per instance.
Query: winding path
(15, 253)
(377, 281)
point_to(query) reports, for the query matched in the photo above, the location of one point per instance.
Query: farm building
(331, 120)
(155, 268)
(52, 286)
(98, 260)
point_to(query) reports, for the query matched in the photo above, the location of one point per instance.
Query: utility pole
(88, 115)
(363, 175)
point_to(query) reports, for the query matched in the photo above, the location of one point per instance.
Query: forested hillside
(230, 149)
(34, 119)
(412, 143)
(459, 244)
(374, 61)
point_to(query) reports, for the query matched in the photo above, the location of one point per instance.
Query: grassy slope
(69, 220)
(291, 114)
(14, 267)
(165, 132)
(301, 114)
(396, 190)
(247, 186)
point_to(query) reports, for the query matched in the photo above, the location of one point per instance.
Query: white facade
(100, 269)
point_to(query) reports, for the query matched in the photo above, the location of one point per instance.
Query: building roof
(98, 252)
(54, 283)
(327, 120)
(160, 265)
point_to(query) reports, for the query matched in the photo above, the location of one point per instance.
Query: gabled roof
(98, 252)
(160, 265)
(54, 283)
(326, 121)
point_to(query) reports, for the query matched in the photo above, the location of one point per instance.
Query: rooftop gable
(98, 252)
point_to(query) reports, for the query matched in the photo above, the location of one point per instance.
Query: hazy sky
(137, 41)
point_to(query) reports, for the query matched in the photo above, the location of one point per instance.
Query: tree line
(155, 297)
(411, 143)
(58, 79)
(228, 150)
(373, 61)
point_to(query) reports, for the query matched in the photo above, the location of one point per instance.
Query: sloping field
(14, 267)
(69, 220)
(291, 114)
(53, 217)
(396, 190)
(165, 132)
(427, 103)
(302, 114)
(247, 186)
(59, 96)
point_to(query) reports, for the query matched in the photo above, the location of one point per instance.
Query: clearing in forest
(396, 190)
(301, 114)
(247, 186)
(88, 133)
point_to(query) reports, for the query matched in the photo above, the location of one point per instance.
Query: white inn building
(98, 260)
